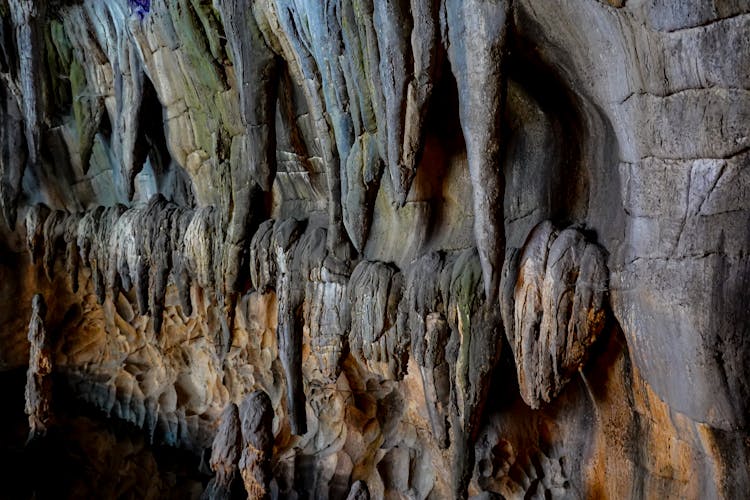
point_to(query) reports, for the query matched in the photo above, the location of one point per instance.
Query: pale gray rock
(359, 491)
(476, 31)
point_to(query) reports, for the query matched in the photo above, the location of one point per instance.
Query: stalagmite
(226, 451)
(256, 420)
(38, 380)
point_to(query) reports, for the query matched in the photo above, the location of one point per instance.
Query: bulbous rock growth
(554, 307)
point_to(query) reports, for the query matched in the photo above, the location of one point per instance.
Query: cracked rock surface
(375, 249)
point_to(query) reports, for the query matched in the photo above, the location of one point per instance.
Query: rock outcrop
(378, 249)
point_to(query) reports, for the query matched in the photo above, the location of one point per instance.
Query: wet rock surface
(376, 249)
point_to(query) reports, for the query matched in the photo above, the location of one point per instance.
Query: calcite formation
(256, 419)
(225, 456)
(377, 249)
(38, 380)
(554, 308)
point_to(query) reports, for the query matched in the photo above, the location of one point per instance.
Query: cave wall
(465, 247)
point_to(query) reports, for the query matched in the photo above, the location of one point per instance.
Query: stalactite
(290, 295)
(285, 31)
(393, 26)
(435, 373)
(358, 491)
(456, 341)
(12, 155)
(360, 178)
(427, 65)
(476, 44)
(27, 16)
(34, 222)
(144, 248)
(326, 304)
(209, 174)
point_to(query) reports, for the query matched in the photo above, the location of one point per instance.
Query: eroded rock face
(387, 249)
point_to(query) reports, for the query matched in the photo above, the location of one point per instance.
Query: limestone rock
(358, 491)
(375, 337)
(556, 290)
(344, 204)
(256, 416)
(225, 456)
(38, 379)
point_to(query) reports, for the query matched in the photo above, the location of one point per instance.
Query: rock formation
(225, 457)
(38, 380)
(256, 417)
(554, 308)
(378, 249)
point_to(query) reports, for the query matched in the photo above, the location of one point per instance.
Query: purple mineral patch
(140, 7)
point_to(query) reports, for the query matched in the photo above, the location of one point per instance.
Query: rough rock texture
(225, 456)
(387, 249)
(38, 380)
(256, 418)
(554, 308)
